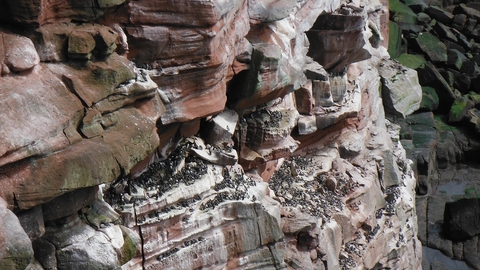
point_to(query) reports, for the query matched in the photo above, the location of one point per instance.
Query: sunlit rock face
(201, 134)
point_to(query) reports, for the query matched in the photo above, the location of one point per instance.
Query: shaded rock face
(336, 40)
(442, 46)
(201, 134)
(461, 219)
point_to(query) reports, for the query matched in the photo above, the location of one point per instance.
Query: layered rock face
(203, 134)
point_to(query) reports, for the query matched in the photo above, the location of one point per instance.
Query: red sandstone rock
(80, 45)
(324, 37)
(37, 126)
(194, 14)
(95, 81)
(83, 164)
(3, 244)
(19, 52)
(197, 53)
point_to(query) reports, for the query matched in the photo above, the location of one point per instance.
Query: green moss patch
(412, 61)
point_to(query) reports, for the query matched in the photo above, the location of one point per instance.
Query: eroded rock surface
(200, 134)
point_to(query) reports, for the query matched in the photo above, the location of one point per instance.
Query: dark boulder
(462, 219)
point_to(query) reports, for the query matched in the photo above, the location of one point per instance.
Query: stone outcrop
(204, 134)
(461, 219)
(442, 46)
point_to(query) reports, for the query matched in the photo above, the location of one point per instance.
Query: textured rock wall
(218, 134)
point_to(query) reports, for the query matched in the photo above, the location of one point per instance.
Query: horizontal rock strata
(203, 134)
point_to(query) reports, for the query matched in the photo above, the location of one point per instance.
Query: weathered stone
(396, 78)
(450, 148)
(314, 71)
(109, 3)
(470, 25)
(101, 214)
(459, 21)
(423, 136)
(50, 40)
(432, 47)
(199, 14)
(269, 77)
(97, 80)
(197, 52)
(429, 99)
(402, 14)
(335, 56)
(322, 94)
(430, 76)
(306, 125)
(416, 6)
(462, 83)
(412, 61)
(295, 221)
(459, 109)
(19, 52)
(92, 124)
(130, 146)
(78, 245)
(448, 75)
(338, 87)
(304, 99)
(215, 155)
(470, 12)
(395, 40)
(55, 109)
(66, 170)
(69, 203)
(470, 252)
(461, 219)
(391, 173)
(439, 14)
(470, 68)
(105, 40)
(475, 33)
(451, 45)
(45, 253)
(351, 144)
(269, 126)
(473, 117)
(456, 59)
(220, 128)
(474, 97)
(265, 11)
(462, 40)
(330, 244)
(444, 32)
(16, 250)
(32, 222)
(80, 45)
(423, 18)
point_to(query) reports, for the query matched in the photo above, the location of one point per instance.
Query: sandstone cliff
(245, 134)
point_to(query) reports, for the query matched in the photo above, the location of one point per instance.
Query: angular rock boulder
(16, 250)
(324, 37)
(396, 79)
(459, 109)
(18, 53)
(462, 219)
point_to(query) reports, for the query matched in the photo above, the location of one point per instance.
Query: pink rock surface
(20, 53)
(121, 84)
(36, 109)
